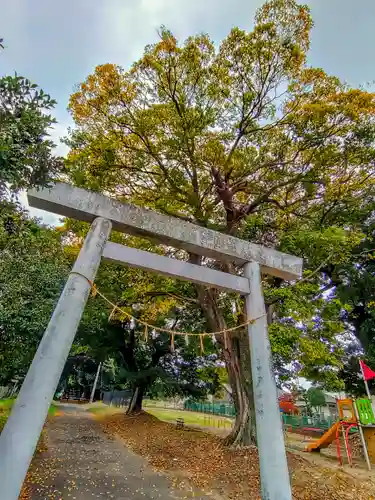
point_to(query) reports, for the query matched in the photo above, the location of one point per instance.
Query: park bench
(180, 423)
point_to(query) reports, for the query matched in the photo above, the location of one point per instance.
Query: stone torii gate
(22, 430)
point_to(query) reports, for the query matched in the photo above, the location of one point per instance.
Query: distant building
(329, 410)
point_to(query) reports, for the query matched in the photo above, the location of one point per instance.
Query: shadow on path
(83, 463)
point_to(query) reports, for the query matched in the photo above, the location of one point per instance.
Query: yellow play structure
(325, 440)
(353, 415)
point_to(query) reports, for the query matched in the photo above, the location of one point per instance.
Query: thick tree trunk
(135, 405)
(236, 353)
(237, 360)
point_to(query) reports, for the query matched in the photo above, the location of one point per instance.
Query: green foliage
(332, 244)
(350, 372)
(149, 365)
(78, 374)
(246, 139)
(26, 157)
(212, 135)
(129, 360)
(357, 284)
(33, 269)
(32, 262)
(352, 283)
(3, 419)
(315, 397)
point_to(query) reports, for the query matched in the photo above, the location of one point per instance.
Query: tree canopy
(315, 397)
(26, 152)
(33, 269)
(246, 138)
(33, 266)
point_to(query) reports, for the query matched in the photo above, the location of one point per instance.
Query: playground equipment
(353, 415)
(324, 440)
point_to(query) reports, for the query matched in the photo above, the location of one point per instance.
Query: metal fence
(291, 422)
(4, 391)
(117, 398)
(8, 391)
(74, 395)
(221, 409)
(218, 408)
(173, 404)
(295, 422)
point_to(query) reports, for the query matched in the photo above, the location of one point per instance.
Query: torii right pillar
(275, 482)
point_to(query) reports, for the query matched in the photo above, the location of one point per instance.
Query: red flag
(368, 374)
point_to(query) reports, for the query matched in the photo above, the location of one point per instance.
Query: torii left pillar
(21, 432)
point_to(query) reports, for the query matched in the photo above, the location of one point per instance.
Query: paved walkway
(83, 463)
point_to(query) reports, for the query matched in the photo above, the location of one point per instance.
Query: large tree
(244, 138)
(353, 283)
(143, 362)
(33, 268)
(32, 262)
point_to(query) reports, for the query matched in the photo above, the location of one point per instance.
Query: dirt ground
(110, 455)
(202, 460)
(80, 462)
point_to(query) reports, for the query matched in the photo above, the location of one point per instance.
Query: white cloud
(58, 131)
(126, 28)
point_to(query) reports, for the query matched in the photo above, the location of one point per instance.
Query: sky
(58, 44)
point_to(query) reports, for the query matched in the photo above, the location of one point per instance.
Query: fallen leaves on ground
(41, 447)
(203, 460)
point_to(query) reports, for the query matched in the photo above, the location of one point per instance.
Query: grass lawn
(6, 406)
(53, 410)
(190, 417)
(170, 415)
(102, 409)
